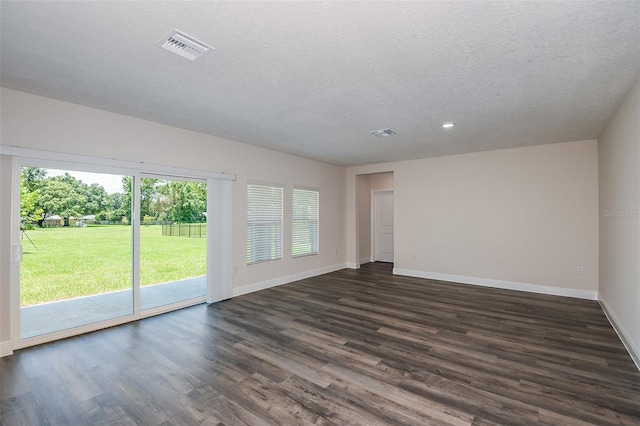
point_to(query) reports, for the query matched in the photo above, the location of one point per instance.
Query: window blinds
(264, 223)
(305, 222)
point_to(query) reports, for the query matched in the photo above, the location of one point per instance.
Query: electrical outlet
(235, 269)
(580, 270)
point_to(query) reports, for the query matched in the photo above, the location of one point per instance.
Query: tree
(147, 195)
(97, 199)
(29, 210)
(148, 192)
(60, 197)
(185, 202)
(76, 184)
(117, 201)
(120, 206)
(125, 208)
(95, 195)
(65, 195)
(30, 179)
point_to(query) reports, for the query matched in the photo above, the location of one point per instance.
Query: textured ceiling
(313, 78)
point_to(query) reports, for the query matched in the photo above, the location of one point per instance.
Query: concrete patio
(50, 317)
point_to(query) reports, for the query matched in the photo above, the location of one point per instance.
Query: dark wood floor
(352, 347)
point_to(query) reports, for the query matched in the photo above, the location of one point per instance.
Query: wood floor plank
(353, 347)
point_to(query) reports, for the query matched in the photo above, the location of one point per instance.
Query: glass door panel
(173, 241)
(77, 248)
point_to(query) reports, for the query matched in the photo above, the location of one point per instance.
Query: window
(305, 222)
(264, 223)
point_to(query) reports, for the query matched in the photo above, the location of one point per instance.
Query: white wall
(619, 162)
(363, 206)
(522, 218)
(381, 181)
(41, 123)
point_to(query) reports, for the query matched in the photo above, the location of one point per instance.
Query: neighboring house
(53, 221)
(88, 219)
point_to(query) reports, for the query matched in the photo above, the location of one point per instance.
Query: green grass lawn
(73, 262)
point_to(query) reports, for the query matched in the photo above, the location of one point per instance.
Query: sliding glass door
(173, 241)
(89, 261)
(76, 237)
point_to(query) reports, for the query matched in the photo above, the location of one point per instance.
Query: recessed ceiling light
(382, 133)
(448, 124)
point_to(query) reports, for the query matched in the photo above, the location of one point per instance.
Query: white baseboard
(352, 265)
(6, 348)
(365, 260)
(508, 285)
(246, 289)
(634, 352)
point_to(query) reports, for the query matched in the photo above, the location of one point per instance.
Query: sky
(110, 183)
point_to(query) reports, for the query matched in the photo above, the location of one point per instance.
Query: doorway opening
(374, 210)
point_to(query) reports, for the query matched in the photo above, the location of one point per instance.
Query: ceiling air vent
(184, 45)
(382, 133)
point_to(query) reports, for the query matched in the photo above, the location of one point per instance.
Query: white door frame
(374, 212)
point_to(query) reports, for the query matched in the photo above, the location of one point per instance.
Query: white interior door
(383, 226)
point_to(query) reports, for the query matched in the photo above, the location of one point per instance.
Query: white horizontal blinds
(264, 222)
(305, 222)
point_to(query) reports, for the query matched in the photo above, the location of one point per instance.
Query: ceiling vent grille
(382, 133)
(184, 45)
